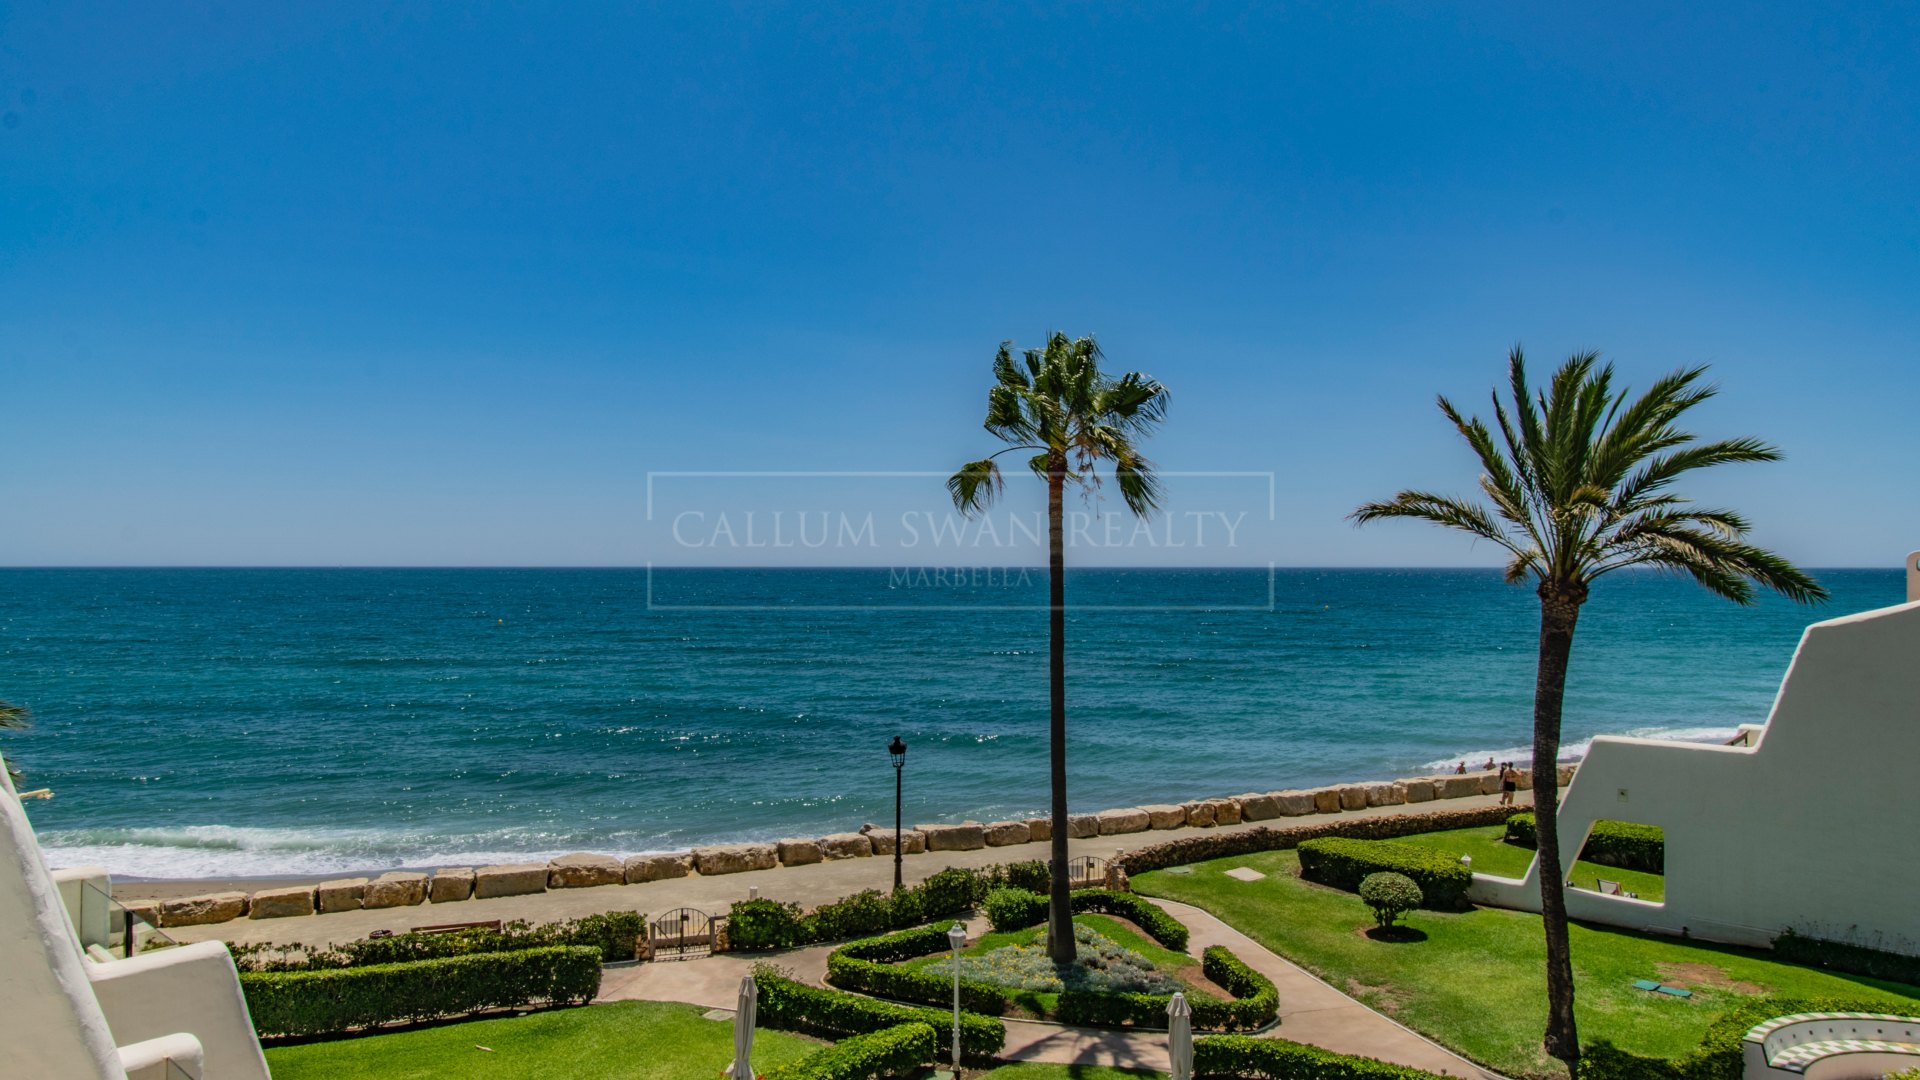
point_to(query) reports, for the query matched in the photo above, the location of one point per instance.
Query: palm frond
(975, 486)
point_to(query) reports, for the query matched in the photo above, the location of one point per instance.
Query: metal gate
(1087, 872)
(681, 934)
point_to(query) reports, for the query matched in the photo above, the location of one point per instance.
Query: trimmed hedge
(1219, 845)
(615, 935)
(1625, 844)
(1015, 909)
(1242, 1057)
(796, 1006)
(871, 967)
(1170, 932)
(335, 1000)
(1344, 863)
(901, 1050)
(761, 925)
(1850, 959)
(1718, 1057)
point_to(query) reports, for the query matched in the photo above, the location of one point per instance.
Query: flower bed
(1103, 967)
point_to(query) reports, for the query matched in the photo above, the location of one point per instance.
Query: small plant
(1390, 896)
(1015, 909)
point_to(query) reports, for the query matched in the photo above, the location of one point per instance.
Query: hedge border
(1344, 862)
(795, 1006)
(1628, 845)
(1194, 849)
(901, 1050)
(1242, 1057)
(335, 1000)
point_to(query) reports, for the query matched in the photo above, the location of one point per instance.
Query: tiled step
(1796, 1058)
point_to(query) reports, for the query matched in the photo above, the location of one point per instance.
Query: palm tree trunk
(1559, 611)
(1060, 944)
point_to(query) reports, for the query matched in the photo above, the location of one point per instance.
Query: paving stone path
(1311, 1011)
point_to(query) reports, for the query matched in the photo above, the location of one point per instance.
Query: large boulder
(1416, 790)
(1165, 816)
(966, 836)
(340, 894)
(912, 841)
(1523, 779)
(1225, 811)
(450, 884)
(1353, 797)
(1130, 819)
(846, 845)
(641, 868)
(1040, 829)
(280, 903)
(583, 870)
(199, 910)
(1199, 813)
(1565, 774)
(1490, 783)
(1326, 800)
(1384, 794)
(1008, 833)
(1082, 826)
(1292, 803)
(397, 888)
(1254, 807)
(509, 879)
(1460, 787)
(735, 858)
(800, 852)
(147, 911)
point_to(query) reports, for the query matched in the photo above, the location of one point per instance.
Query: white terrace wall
(1814, 826)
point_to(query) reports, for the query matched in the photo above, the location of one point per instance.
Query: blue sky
(351, 285)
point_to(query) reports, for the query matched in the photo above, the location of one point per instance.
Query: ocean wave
(224, 851)
(1577, 751)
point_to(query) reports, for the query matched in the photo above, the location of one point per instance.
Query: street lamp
(956, 936)
(898, 751)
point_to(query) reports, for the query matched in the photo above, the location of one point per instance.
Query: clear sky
(340, 284)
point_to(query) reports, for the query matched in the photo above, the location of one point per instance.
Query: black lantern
(897, 750)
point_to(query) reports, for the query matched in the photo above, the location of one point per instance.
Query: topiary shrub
(758, 925)
(1344, 863)
(1390, 895)
(1015, 909)
(335, 1000)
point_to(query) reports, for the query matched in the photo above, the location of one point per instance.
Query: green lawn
(1492, 855)
(1476, 982)
(596, 1042)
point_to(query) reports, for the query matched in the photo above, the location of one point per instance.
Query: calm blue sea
(254, 722)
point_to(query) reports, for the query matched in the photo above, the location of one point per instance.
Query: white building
(1810, 821)
(70, 1011)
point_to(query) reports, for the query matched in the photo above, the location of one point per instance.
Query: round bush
(1390, 895)
(1015, 909)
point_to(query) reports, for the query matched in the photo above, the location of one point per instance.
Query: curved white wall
(1813, 827)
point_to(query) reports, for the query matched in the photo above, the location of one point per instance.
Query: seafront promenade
(808, 885)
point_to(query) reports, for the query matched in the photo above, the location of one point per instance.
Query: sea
(265, 722)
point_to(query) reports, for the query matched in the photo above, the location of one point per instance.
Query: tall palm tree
(1578, 486)
(1075, 416)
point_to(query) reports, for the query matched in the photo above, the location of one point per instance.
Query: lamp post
(956, 936)
(898, 751)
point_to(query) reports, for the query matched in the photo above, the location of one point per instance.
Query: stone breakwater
(449, 885)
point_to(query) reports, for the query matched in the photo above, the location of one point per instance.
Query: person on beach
(1488, 767)
(1509, 783)
(1462, 770)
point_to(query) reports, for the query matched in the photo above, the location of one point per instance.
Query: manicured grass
(1492, 855)
(615, 1041)
(1477, 982)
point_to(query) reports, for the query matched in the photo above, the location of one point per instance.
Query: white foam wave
(1576, 751)
(223, 851)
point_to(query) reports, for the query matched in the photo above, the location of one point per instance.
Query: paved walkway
(1311, 1011)
(810, 886)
